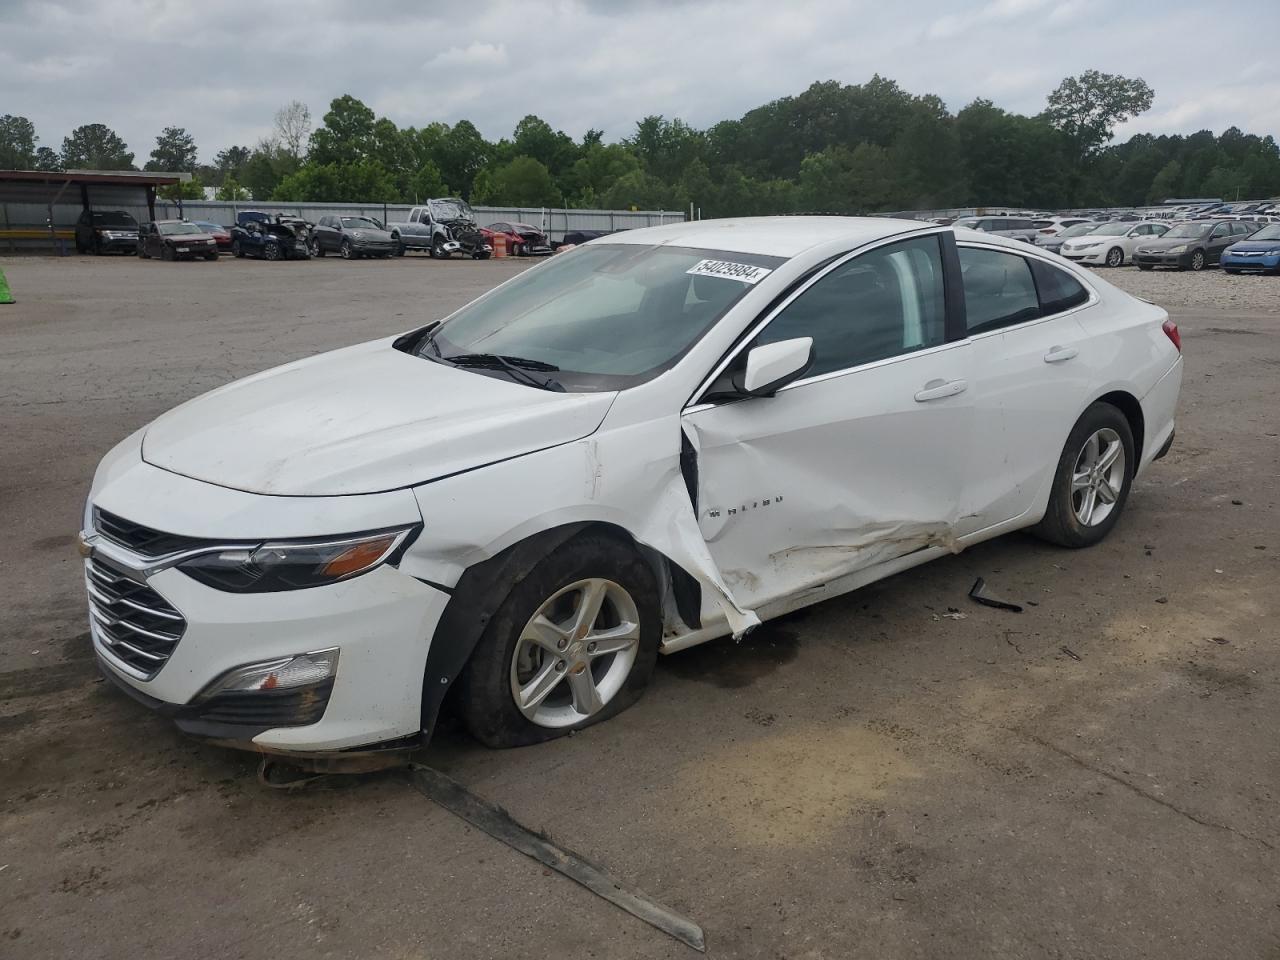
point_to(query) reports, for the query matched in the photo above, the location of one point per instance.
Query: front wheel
(1092, 480)
(271, 251)
(1197, 260)
(437, 249)
(346, 251)
(316, 249)
(1115, 257)
(574, 643)
(236, 249)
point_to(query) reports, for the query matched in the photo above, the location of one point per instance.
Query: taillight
(1171, 331)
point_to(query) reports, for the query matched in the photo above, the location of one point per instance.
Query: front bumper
(375, 246)
(1096, 255)
(1239, 261)
(1181, 260)
(381, 622)
(117, 243)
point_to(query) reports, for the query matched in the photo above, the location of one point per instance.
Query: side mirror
(774, 365)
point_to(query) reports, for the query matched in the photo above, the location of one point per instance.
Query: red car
(221, 235)
(523, 239)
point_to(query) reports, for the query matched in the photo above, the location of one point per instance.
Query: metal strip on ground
(500, 825)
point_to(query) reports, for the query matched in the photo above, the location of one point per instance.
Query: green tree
(17, 143)
(47, 159)
(427, 182)
(231, 161)
(175, 151)
(554, 149)
(524, 182)
(364, 181)
(231, 190)
(462, 153)
(191, 189)
(95, 146)
(1087, 108)
(347, 134)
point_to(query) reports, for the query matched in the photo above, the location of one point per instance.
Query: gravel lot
(1093, 778)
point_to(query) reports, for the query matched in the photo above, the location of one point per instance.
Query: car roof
(770, 236)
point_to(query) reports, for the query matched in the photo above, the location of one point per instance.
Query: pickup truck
(442, 227)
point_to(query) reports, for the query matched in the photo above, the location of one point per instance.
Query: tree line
(836, 148)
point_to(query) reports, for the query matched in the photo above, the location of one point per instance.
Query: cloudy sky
(221, 69)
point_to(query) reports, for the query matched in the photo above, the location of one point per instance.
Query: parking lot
(1094, 777)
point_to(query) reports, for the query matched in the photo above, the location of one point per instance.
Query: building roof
(127, 178)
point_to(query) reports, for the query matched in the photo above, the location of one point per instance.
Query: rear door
(1030, 373)
(863, 459)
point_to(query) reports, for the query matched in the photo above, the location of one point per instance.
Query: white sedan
(658, 438)
(1111, 244)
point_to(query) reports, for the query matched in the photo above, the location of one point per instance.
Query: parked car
(1258, 253)
(176, 240)
(442, 227)
(523, 239)
(653, 440)
(1053, 226)
(104, 231)
(1192, 245)
(221, 235)
(257, 234)
(1111, 244)
(1053, 241)
(352, 238)
(1014, 228)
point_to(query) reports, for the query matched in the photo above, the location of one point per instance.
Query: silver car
(1015, 228)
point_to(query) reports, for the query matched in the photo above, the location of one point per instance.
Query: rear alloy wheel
(1115, 257)
(1092, 480)
(574, 643)
(1197, 260)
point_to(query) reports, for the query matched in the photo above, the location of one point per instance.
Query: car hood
(361, 420)
(1163, 243)
(1240, 246)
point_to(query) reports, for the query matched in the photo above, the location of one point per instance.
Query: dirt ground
(1093, 778)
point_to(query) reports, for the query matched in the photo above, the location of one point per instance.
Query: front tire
(574, 643)
(271, 251)
(236, 249)
(1197, 260)
(1115, 257)
(346, 251)
(316, 249)
(1091, 485)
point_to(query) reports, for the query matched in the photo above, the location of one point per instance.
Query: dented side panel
(834, 475)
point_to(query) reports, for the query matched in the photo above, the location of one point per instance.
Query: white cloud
(223, 69)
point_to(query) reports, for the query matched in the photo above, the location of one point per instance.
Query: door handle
(937, 389)
(1058, 354)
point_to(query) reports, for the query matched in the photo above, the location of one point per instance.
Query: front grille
(142, 539)
(138, 627)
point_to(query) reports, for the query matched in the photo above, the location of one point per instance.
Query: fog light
(304, 670)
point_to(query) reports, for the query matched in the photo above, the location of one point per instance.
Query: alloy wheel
(575, 653)
(1197, 260)
(1115, 257)
(1098, 477)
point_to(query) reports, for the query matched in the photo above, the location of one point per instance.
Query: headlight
(1180, 248)
(295, 564)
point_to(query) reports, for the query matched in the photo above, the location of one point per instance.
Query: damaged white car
(659, 438)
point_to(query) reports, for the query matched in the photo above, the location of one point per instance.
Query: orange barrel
(499, 244)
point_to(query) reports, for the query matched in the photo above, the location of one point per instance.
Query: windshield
(1079, 230)
(451, 210)
(1189, 231)
(1268, 233)
(114, 218)
(606, 317)
(209, 227)
(360, 223)
(178, 229)
(1113, 229)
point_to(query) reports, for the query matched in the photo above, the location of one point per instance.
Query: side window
(1221, 230)
(1059, 290)
(998, 289)
(881, 304)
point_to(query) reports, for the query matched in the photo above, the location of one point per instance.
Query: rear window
(998, 289)
(1058, 290)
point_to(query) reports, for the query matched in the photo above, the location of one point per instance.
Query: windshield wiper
(517, 367)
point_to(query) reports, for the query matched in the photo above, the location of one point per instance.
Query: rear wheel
(1092, 481)
(1115, 257)
(574, 643)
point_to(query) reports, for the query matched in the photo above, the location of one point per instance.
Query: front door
(860, 462)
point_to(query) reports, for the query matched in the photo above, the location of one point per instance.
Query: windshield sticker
(728, 270)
